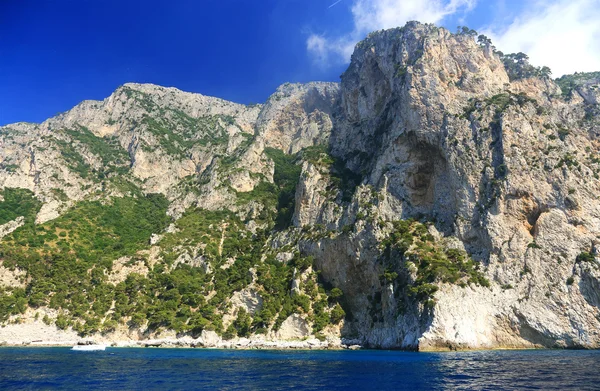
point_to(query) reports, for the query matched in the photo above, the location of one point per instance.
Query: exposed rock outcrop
(432, 122)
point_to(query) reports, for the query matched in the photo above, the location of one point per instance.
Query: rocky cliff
(434, 199)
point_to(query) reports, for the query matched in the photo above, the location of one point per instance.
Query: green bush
(568, 83)
(411, 241)
(286, 177)
(321, 318)
(302, 263)
(66, 258)
(18, 202)
(107, 149)
(585, 257)
(336, 294)
(337, 314)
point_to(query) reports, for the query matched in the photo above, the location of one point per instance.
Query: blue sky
(56, 53)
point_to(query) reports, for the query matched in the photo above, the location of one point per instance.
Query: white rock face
(49, 211)
(298, 115)
(294, 327)
(125, 266)
(9, 227)
(248, 299)
(37, 333)
(421, 122)
(11, 278)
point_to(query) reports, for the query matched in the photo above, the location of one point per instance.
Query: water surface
(203, 369)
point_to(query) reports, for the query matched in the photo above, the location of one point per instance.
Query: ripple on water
(158, 369)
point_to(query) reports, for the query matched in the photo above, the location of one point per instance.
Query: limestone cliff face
(427, 150)
(298, 116)
(431, 121)
(148, 128)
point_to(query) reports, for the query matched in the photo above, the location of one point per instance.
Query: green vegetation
(318, 155)
(464, 30)
(73, 159)
(400, 71)
(518, 67)
(275, 277)
(585, 257)
(177, 132)
(568, 160)
(16, 203)
(241, 325)
(9, 167)
(343, 179)
(286, 177)
(499, 102)
(516, 64)
(562, 132)
(568, 83)
(113, 157)
(143, 99)
(501, 171)
(172, 143)
(66, 259)
(278, 198)
(410, 241)
(12, 303)
(231, 251)
(337, 314)
(107, 149)
(223, 236)
(526, 270)
(59, 194)
(267, 194)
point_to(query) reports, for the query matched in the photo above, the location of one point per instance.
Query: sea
(32, 368)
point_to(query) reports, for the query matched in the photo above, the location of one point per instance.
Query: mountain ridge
(428, 201)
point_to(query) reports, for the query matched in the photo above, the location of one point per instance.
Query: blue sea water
(203, 369)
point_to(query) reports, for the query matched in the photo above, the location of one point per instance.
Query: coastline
(240, 344)
(281, 345)
(38, 334)
(35, 333)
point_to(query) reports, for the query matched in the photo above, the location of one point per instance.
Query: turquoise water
(189, 369)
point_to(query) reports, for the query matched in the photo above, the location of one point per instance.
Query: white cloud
(325, 52)
(371, 15)
(562, 34)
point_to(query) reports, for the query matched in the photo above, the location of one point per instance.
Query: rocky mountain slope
(443, 196)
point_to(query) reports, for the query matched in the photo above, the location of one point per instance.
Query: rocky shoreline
(251, 344)
(238, 344)
(38, 334)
